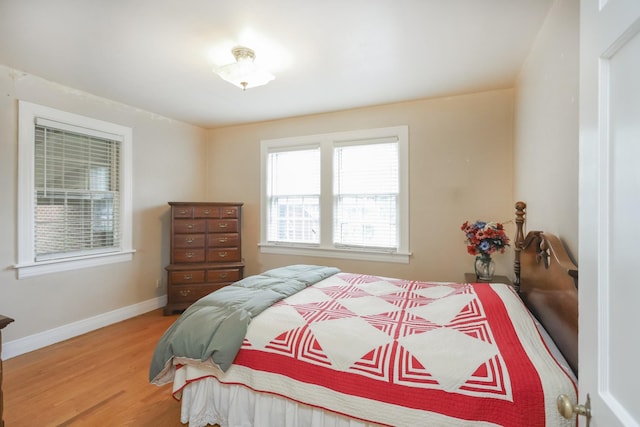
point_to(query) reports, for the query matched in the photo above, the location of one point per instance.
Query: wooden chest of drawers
(206, 252)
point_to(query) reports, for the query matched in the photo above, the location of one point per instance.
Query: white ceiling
(327, 55)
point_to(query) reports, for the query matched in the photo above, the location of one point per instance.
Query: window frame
(27, 265)
(326, 248)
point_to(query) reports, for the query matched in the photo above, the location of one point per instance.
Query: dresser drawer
(183, 226)
(188, 255)
(206, 212)
(223, 226)
(218, 276)
(187, 276)
(188, 240)
(223, 255)
(222, 240)
(183, 212)
(229, 212)
(191, 293)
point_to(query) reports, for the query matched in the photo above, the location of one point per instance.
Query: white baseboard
(42, 339)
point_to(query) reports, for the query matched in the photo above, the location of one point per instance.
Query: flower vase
(485, 267)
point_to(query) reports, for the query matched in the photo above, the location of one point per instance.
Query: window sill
(351, 254)
(53, 266)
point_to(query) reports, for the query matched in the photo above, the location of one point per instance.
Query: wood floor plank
(100, 378)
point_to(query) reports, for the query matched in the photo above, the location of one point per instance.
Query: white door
(610, 211)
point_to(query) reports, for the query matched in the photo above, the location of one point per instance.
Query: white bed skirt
(207, 401)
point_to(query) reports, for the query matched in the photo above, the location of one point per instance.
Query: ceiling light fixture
(244, 73)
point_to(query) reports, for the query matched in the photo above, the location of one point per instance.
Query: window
(294, 204)
(337, 195)
(74, 191)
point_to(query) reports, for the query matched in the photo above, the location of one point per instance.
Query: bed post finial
(518, 241)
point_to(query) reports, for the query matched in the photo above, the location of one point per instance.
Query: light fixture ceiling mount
(244, 73)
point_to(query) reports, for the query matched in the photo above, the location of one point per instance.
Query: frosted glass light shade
(244, 73)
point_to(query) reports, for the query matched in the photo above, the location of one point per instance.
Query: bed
(315, 346)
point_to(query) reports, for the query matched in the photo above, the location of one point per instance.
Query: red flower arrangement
(485, 238)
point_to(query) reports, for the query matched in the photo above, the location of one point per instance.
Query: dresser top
(206, 203)
(4, 321)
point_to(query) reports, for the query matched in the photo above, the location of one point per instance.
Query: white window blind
(366, 187)
(77, 191)
(293, 196)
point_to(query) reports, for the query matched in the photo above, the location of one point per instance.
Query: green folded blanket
(215, 325)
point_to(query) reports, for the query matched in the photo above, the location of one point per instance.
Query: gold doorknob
(567, 408)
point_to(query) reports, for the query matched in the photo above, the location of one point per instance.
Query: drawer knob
(223, 275)
(222, 225)
(207, 212)
(189, 254)
(187, 277)
(222, 254)
(222, 239)
(189, 226)
(185, 292)
(189, 241)
(230, 211)
(183, 212)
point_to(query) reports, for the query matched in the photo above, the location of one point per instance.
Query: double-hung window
(337, 195)
(74, 191)
(294, 203)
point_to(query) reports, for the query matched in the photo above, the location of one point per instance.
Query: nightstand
(4, 321)
(471, 278)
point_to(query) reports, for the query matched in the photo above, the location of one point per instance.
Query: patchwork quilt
(402, 353)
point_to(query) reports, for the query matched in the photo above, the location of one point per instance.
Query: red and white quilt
(399, 352)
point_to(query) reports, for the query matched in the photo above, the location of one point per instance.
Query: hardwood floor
(97, 379)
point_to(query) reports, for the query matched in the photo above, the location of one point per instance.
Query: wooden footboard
(547, 281)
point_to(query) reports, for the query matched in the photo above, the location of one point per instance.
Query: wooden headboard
(547, 281)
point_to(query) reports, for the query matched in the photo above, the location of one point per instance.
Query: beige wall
(460, 151)
(168, 164)
(546, 127)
